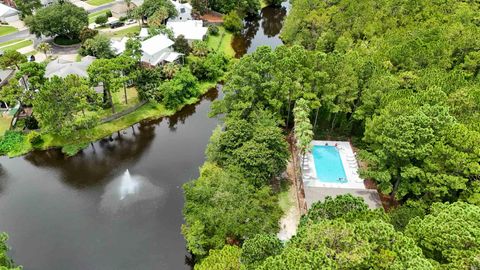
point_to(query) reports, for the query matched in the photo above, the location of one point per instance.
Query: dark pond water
(260, 30)
(84, 213)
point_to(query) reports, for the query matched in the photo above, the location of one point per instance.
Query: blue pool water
(328, 164)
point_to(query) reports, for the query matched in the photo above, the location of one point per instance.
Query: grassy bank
(71, 146)
(222, 42)
(94, 15)
(98, 2)
(124, 32)
(18, 45)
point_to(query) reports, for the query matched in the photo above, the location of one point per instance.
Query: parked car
(131, 21)
(116, 24)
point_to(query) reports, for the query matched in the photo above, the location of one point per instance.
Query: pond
(118, 204)
(261, 30)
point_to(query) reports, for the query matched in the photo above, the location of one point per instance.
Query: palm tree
(44, 47)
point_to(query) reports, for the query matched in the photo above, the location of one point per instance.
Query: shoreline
(70, 147)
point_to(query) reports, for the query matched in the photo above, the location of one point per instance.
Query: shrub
(181, 45)
(233, 22)
(213, 30)
(11, 141)
(99, 46)
(35, 139)
(108, 13)
(31, 122)
(73, 149)
(200, 48)
(87, 33)
(178, 90)
(209, 68)
(102, 19)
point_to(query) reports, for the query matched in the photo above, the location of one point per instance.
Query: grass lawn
(222, 42)
(98, 2)
(92, 16)
(18, 45)
(4, 124)
(5, 30)
(6, 43)
(124, 32)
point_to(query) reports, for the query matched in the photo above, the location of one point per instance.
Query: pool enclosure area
(331, 164)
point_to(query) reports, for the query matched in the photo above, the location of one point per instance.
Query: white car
(131, 21)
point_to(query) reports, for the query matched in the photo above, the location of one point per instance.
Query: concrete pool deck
(349, 163)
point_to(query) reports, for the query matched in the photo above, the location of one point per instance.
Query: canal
(118, 204)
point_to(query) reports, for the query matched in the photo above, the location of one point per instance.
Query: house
(158, 49)
(63, 68)
(191, 30)
(8, 14)
(120, 9)
(184, 11)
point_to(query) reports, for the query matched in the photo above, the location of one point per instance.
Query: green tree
(227, 258)
(101, 20)
(232, 22)
(128, 72)
(26, 7)
(200, 48)
(158, 18)
(181, 45)
(303, 127)
(149, 7)
(55, 107)
(169, 70)
(98, 46)
(12, 93)
(133, 48)
(244, 210)
(59, 19)
(177, 91)
(33, 73)
(105, 72)
(258, 248)
(44, 48)
(87, 33)
(449, 234)
(13, 59)
(5, 262)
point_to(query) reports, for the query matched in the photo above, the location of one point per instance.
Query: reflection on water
(126, 191)
(88, 212)
(262, 29)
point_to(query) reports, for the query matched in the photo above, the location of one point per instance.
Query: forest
(400, 79)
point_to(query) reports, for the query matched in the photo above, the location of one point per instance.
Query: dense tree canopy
(59, 19)
(221, 207)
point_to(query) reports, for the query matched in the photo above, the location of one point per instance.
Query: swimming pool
(328, 164)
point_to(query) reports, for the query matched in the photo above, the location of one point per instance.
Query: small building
(184, 11)
(191, 30)
(143, 33)
(120, 9)
(63, 68)
(158, 50)
(8, 14)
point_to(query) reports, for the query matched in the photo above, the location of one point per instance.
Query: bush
(213, 30)
(73, 149)
(181, 45)
(65, 41)
(35, 139)
(401, 216)
(87, 33)
(200, 48)
(102, 19)
(11, 141)
(178, 90)
(108, 13)
(99, 46)
(31, 122)
(233, 22)
(209, 68)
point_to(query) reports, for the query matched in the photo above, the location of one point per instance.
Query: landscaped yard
(5, 30)
(98, 2)
(124, 32)
(221, 42)
(15, 45)
(92, 16)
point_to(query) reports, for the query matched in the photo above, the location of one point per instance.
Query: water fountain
(128, 190)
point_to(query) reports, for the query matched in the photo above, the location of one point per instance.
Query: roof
(172, 56)
(118, 46)
(143, 33)
(63, 68)
(191, 30)
(179, 5)
(6, 11)
(119, 7)
(156, 44)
